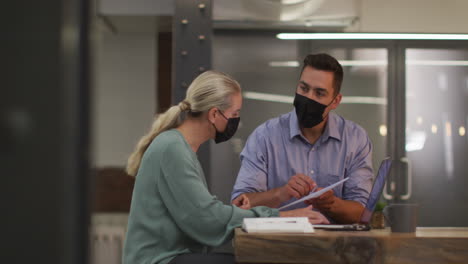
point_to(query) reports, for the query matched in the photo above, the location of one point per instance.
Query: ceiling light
(283, 64)
(402, 36)
(437, 62)
(278, 98)
(342, 62)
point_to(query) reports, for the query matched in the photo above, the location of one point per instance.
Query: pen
(315, 188)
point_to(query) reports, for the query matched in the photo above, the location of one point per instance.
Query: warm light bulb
(383, 130)
(461, 131)
(419, 120)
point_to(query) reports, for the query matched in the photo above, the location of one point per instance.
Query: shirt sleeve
(360, 173)
(252, 175)
(196, 212)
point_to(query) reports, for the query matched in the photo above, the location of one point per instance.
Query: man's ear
(336, 102)
(212, 114)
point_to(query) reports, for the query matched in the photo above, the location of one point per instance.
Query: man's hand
(324, 202)
(314, 217)
(341, 211)
(298, 186)
(242, 201)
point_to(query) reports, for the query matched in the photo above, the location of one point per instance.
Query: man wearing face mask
(309, 148)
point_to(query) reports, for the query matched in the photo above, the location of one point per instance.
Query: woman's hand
(242, 201)
(314, 217)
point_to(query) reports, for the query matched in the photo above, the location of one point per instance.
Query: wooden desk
(427, 245)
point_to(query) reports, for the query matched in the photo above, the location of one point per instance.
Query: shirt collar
(294, 129)
(331, 128)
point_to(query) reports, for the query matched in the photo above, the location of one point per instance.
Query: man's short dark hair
(325, 62)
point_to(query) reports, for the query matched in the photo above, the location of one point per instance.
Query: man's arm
(342, 211)
(298, 186)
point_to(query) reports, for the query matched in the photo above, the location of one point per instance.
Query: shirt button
(312, 172)
(313, 149)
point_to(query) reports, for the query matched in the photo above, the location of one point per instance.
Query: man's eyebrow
(314, 88)
(320, 89)
(304, 83)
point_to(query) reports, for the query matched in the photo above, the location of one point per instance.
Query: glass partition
(436, 141)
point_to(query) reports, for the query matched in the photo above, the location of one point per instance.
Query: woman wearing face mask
(173, 217)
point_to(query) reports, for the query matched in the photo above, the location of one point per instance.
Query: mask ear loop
(223, 115)
(330, 104)
(216, 129)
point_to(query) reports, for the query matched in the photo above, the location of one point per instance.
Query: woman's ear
(212, 114)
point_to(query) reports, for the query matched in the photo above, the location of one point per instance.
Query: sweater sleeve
(196, 212)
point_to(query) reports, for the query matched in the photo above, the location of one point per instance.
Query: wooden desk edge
(376, 246)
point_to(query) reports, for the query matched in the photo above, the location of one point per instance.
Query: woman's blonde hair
(210, 89)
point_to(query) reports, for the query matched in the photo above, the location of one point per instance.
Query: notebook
(374, 197)
(277, 225)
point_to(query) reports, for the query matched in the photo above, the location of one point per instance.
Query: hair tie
(184, 106)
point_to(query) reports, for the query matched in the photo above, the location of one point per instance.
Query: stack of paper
(278, 225)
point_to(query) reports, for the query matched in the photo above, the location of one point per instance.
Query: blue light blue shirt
(277, 150)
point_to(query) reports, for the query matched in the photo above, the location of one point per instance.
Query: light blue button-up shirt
(277, 150)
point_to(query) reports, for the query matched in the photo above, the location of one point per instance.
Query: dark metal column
(191, 38)
(44, 131)
(192, 32)
(401, 172)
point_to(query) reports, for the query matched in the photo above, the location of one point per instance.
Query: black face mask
(230, 130)
(309, 112)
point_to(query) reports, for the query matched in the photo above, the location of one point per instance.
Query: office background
(414, 109)
(410, 96)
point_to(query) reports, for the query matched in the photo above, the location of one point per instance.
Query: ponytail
(165, 121)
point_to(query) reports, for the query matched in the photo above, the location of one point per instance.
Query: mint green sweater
(172, 211)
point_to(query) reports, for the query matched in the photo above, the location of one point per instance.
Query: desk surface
(427, 245)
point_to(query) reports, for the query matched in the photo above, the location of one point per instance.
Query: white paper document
(277, 225)
(314, 194)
